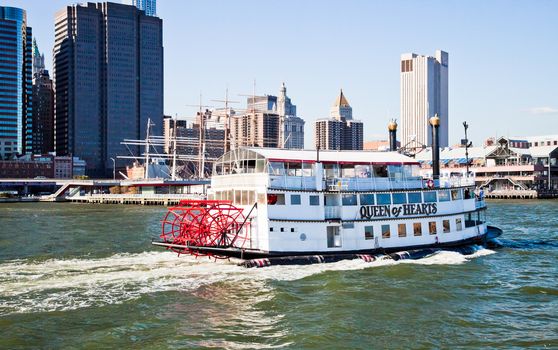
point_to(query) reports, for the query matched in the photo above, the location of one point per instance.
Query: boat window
(429, 197)
(385, 231)
(260, 165)
(367, 199)
(469, 222)
(415, 197)
(276, 199)
(270, 229)
(293, 229)
(347, 170)
(295, 199)
(444, 196)
(277, 168)
(455, 194)
(395, 171)
(383, 198)
(261, 198)
(458, 224)
(432, 227)
(446, 226)
(349, 199)
(331, 170)
(363, 171)
(348, 225)
(237, 197)
(294, 169)
(417, 229)
(380, 171)
(368, 232)
(282, 229)
(251, 197)
(399, 198)
(314, 200)
(333, 237)
(402, 230)
(307, 169)
(244, 197)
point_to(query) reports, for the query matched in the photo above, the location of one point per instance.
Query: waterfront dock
(137, 199)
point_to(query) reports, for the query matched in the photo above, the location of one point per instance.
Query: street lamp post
(467, 145)
(113, 168)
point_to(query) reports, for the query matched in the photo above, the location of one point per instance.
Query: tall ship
(268, 203)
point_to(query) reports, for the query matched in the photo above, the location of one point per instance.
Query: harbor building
(43, 105)
(291, 128)
(108, 81)
(424, 93)
(503, 167)
(340, 131)
(16, 89)
(255, 129)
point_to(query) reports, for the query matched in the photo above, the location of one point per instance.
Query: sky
(503, 75)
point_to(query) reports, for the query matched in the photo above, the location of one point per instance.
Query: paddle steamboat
(266, 203)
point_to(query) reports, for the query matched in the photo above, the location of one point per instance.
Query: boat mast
(146, 174)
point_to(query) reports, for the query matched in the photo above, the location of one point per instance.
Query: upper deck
(324, 171)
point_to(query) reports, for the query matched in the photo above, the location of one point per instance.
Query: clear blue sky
(503, 68)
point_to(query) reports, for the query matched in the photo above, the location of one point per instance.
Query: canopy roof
(310, 156)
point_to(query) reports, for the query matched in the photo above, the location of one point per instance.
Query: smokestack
(435, 123)
(392, 127)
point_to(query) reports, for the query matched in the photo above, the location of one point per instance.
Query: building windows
(417, 229)
(399, 198)
(430, 197)
(333, 237)
(458, 224)
(383, 198)
(432, 227)
(415, 197)
(295, 199)
(385, 231)
(402, 230)
(314, 200)
(446, 226)
(349, 199)
(282, 229)
(368, 232)
(367, 199)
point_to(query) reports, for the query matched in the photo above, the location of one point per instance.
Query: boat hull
(247, 254)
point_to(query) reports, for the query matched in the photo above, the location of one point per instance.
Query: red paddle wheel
(204, 224)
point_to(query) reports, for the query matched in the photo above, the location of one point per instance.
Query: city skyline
(497, 84)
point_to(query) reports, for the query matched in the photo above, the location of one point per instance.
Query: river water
(85, 276)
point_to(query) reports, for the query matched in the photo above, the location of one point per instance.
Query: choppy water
(85, 276)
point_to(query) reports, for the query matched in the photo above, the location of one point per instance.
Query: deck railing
(365, 184)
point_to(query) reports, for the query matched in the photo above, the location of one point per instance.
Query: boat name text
(382, 211)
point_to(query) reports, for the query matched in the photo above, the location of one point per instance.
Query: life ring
(430, 183)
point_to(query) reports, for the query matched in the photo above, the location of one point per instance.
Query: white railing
(365, 184)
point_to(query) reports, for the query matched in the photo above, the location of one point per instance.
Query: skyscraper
(340, 131)
(38, 59)
(43, 113)
(149, 6)
(291, 127)
(15, 83)
(424, 93)
(108, 75)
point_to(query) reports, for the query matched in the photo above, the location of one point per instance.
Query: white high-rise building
(424, 93)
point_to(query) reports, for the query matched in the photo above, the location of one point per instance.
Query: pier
(137, 199)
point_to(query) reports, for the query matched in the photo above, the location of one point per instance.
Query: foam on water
(54, 285)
